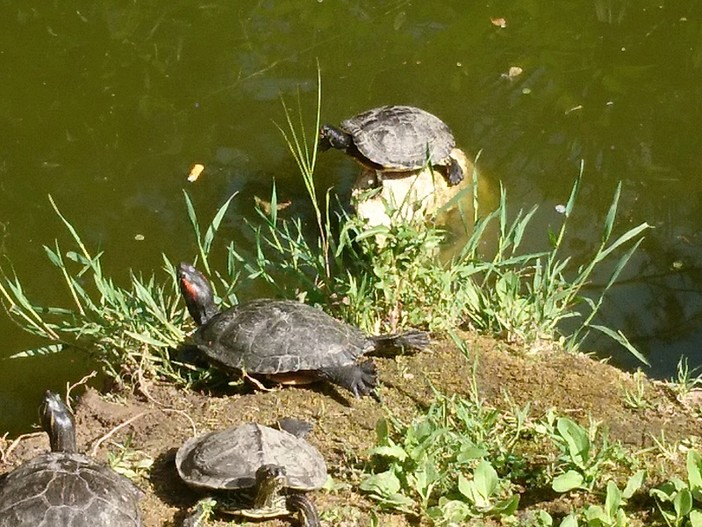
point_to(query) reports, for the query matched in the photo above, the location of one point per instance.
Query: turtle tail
(413, 339)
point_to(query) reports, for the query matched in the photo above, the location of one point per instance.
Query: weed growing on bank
(130, 331)
(464, 461)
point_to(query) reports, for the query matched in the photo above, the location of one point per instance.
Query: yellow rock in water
(418, 195)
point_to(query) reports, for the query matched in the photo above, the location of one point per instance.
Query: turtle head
(197, 293)
(57, 421)
(331, 137)
(270, 481)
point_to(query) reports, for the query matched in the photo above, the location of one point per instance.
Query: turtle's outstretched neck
(413, 339)
(57, 421)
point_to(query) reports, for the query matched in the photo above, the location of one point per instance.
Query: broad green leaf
(595, 516)
(567, 482)
(633, 484)
(569, 521)
(507, 507)
(613, 499)
(423, 478)
(695, 518)
(663, 494)
(382, 430)
(486, 479)
(384, 484)
(682, 503)
(469, 453)
(544, 518)
(393, 451)
(577, 440)
(400, 502)
(466, 487)
(455, 511)
(694, 470)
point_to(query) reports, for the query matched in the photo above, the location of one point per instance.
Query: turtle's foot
(455, 173)
(359, 378)
(301, 504)
(201, 513)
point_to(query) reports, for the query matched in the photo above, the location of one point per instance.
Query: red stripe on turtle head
(188, 287)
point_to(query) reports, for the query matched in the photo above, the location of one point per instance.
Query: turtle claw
(365, 379)
(358, 378)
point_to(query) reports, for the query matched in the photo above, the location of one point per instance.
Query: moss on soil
(344, 427)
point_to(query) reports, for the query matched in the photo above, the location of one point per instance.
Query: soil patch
(344, 428)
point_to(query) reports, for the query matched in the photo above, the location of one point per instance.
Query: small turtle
(288, 341)
(253, 471)
(396, 139)
(63, 487)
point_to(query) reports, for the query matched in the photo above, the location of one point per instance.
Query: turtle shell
(399, 138)
(267, 336)
(61, 488)
(229, 458)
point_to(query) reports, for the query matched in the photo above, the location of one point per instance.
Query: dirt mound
(344, 428)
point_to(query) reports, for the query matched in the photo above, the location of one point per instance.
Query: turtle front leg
(201, 513)
(300, 503)
(332, 137)
(358, 378)
(455, 172)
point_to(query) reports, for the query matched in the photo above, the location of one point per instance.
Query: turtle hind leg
(358, 378)
(300, 503)
(454, 172)
(297, 427)
(413, 339)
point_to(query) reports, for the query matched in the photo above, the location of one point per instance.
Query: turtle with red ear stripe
(287, 341)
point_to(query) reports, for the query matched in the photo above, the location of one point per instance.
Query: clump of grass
(130, 331)
(636, 398)
(128, 461)
(685, 380)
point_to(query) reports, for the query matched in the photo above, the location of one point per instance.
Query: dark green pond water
(105, 106)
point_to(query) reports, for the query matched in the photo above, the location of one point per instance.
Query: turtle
(254, 471)
(64, 487)
(396, 139)
(288, 341)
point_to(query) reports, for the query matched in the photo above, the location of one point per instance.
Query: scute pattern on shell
(229, 459)
(67, 489)
(398, 138)
(278, 336)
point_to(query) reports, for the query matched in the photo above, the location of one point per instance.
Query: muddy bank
(156, 423)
